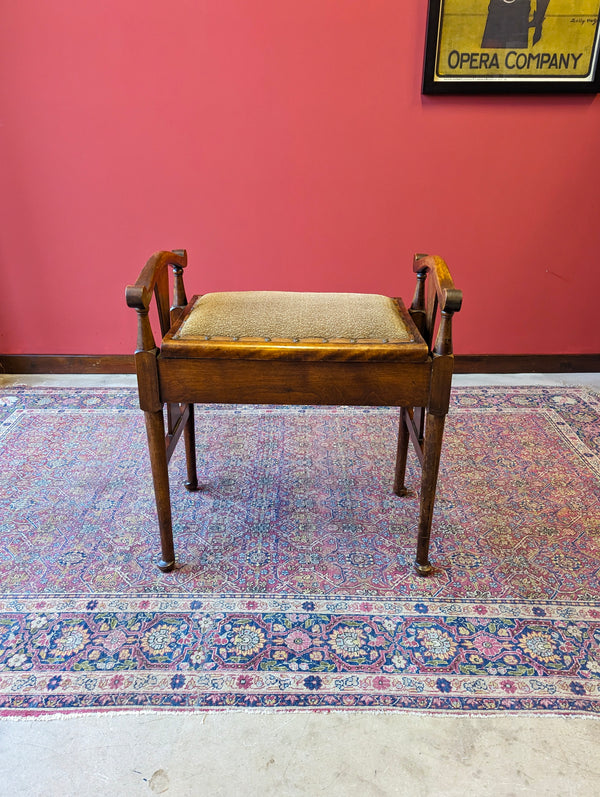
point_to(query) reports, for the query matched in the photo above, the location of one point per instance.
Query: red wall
(286, 145)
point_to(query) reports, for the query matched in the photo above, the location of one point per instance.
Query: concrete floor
(226, 754)
(346, 755)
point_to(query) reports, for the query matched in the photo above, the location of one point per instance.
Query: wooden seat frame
(419, 384)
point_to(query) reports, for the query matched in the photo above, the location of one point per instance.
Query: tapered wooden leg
(399, 486)
(155, 428)
(189, 437)
(432, 449)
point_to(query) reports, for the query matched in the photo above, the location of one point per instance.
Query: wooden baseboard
(67, 364)
(464, 364)
(526, 363)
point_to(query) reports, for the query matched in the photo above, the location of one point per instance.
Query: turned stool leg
(432, 449)
(399, 486)
(155, 428)
(189, 437)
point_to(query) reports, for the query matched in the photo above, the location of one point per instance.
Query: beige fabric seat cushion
(289, 316)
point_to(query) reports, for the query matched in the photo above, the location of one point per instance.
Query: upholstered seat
(318, 326)
(274, 347)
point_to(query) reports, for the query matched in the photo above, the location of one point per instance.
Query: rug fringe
(206, 712)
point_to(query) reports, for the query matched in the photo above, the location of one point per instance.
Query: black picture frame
(501, 47)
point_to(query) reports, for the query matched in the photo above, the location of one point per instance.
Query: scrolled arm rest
(441, 297)
(449, 297)
(154, 280)
(139, 295)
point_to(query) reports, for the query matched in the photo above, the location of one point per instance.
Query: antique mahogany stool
(277, 347)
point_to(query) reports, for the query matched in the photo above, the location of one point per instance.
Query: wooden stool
(274, 347)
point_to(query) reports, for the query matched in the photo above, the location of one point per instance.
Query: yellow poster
(513, 40)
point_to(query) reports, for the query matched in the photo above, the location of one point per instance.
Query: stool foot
(166, 567)
(424, 570)
(192, 486)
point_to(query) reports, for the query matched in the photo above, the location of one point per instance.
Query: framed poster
(509, 46)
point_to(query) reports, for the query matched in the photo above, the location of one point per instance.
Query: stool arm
(154, 279)
(449, 297)
(440, 295)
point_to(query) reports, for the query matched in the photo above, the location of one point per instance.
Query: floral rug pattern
(294, 586)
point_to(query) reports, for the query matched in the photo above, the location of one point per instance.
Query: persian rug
(294, 586)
